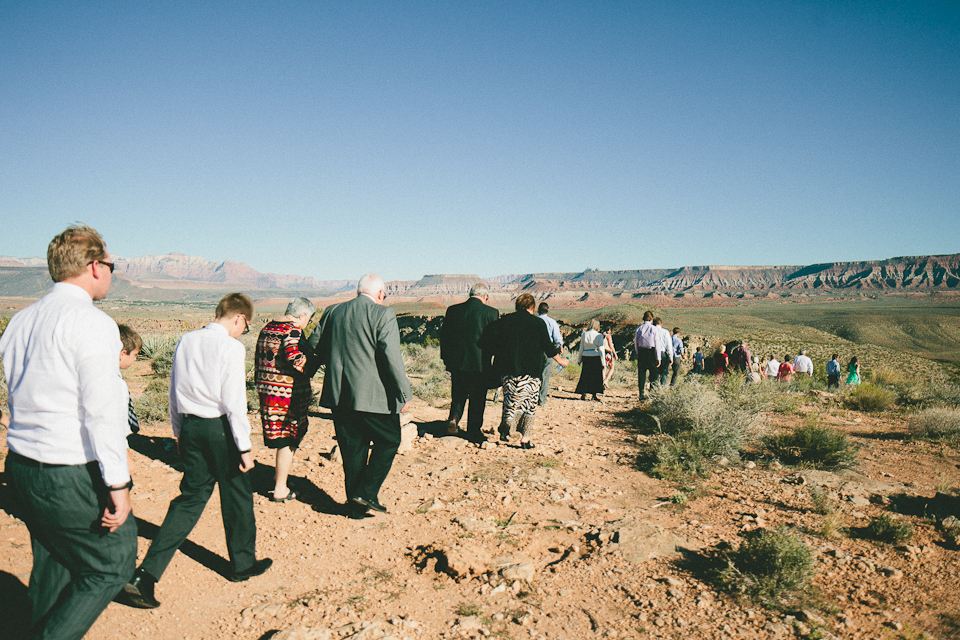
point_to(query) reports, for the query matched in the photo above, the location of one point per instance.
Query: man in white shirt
(772, 368)
(645, 345)
(664, 350)
(803, 364)
(208, 412)
(68, 451)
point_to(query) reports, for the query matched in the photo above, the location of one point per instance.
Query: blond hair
(235, 304)
(69, 253)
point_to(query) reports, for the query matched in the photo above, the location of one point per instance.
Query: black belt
(30, 462)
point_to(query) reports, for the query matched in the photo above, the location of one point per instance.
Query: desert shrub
(890, 530)
(870, 398)
(625, 375)
(702, 428)
(813, 445)
(430, 387)
(884, 376)
(763, 396)
(153, 404)
(162, 360)
(770, 566)
(820, 498)
(421, 359)
(936, 423)
(803, 382)
(572, 371)
(155, 345)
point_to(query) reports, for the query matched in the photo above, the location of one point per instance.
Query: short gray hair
(300, 305)
(479, 290)
(371, 284)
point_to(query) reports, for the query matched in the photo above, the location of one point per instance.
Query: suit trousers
(665, 364)
(545, 381)
(356, 431)
(210, 457)
(677, 364)
(646, 365)
(468, 386)
(78, 565)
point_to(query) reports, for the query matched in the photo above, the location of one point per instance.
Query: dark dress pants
(646, 365)
(677, 363)
(78, 566)
(363, 474)
(210, 457)
(468, 386)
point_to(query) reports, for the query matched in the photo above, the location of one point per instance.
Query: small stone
(751, 465)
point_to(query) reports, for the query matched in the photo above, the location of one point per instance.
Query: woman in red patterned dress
(284, 388)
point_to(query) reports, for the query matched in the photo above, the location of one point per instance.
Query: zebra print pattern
(521, 395)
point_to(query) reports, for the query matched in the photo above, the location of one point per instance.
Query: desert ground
(576, 538)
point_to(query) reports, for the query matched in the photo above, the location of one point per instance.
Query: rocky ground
(569, 540)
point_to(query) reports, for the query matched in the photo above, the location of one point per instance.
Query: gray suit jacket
(359, 343)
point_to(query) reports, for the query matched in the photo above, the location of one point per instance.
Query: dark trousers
(664, 370)
(363, 475)
(78, 566)
(833, 380)
(646, 365)
(468, 386)
(545, 381)
(676, 371)
(210, 457)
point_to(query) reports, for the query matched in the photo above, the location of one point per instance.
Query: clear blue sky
(334, 138)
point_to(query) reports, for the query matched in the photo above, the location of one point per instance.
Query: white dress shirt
(646, 336)
(664, 342)
(553, 329)
(68, 403)
(803, 364)
(209, 381)
(772, 367)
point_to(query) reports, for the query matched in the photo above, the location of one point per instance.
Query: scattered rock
(296, 632)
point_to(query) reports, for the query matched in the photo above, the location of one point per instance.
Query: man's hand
(118, 508)
(404, 407)
(246, 462)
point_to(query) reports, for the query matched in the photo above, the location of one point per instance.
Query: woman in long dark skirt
(592, 344)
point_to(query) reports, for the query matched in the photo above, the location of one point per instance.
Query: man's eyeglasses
(109, 265)
(246, 325)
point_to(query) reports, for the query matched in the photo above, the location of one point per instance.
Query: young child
(132, 343)
(698, 361)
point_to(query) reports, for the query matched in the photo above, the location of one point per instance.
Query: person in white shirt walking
(803, 364)
(645, 345)
(208, 412)
(67, 464)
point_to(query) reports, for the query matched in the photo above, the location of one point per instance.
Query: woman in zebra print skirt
(519, 343)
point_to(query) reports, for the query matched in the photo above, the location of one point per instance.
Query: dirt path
(549, 543)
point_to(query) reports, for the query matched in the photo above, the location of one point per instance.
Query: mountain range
(178, 276)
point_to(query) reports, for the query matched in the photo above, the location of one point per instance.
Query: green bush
(155, 345)
(884, 376)
(813, 445)
(933, 393)
(890, 530)
(422, 359)
(936, 423)
(870, 398)
(770, 566)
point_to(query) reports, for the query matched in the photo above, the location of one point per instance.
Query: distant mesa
(181, 277)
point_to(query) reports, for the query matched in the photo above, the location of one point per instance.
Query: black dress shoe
(258, 569)
(140, 590)
(370, 504)
(477, 438)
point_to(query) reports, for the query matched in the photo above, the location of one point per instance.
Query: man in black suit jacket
(461, 354)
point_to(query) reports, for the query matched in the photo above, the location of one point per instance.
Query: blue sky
(330, 139)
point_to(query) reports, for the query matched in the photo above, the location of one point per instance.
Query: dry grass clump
(702, 427)
(764, 396)
(869, 398)
(429, 380)
(153, 404)
(884, 376)
(936, 423)
(813, 445)
(771, 567)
